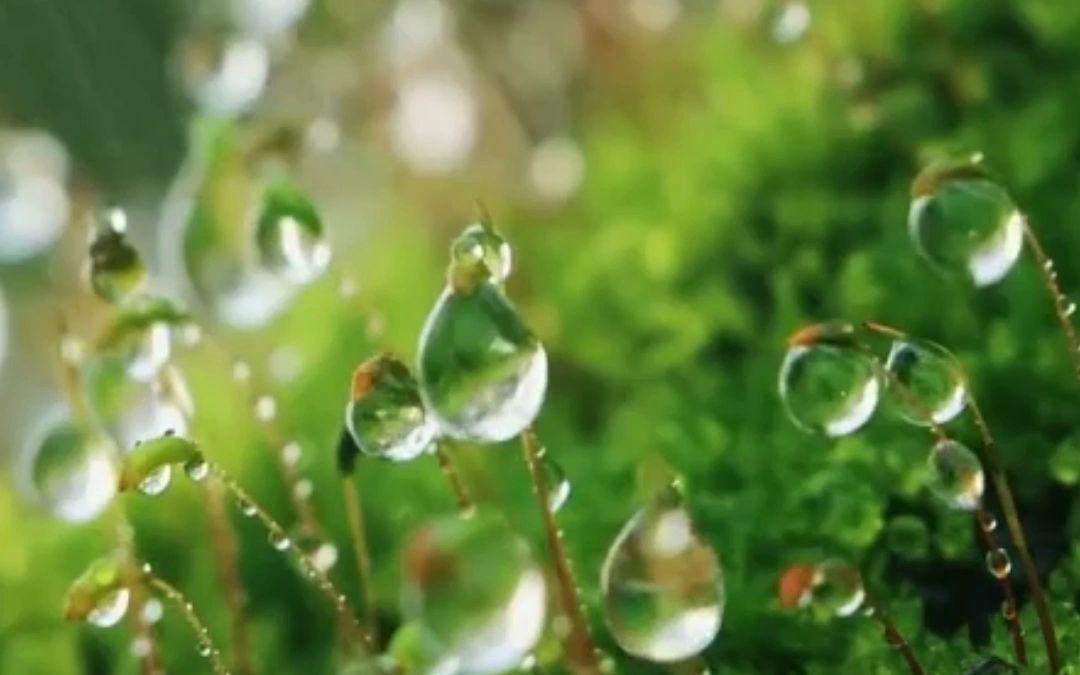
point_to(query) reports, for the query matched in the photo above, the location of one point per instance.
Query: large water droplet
(833, 588)
(224, 74)
(156, 481)
(289, 234)
(482, 371)
(934, 386)
(115, 270)
(72, 472)
(662, 585)
(132, 410)
(481, 250)
(965, 222)
(111, 609)
(476, 591)
(826, 383)
(385, 416)
(956, 475)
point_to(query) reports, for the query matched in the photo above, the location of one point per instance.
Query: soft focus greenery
(735, 188)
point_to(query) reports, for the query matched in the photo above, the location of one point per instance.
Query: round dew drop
(385, 416)
(828, 388)
(555, 481)
(964, 222)
(662, 586)
(956, 476)
(73, 473)
(197, 469)
(476, 591)
(110, 609)
(289, 235)
(279, 541)
(998, 563)
(481, 246)
(156, 482)
(116, 272)
(927, 382)
(483, 374)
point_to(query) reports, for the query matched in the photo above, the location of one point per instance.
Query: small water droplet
(987, 521)
(289, 234)
(156, 481)
(347, 287)
(998, 563)
(932, 381)
(141, 647)
(480, 249)
(556, 482)
(115, 271)
(1070, 308)
(826, 383)
(241, 372)
(197, 469)
(191, 335)
(110, 608)
(204, 649)
(476, 589)
(247, 508)
(483, 374)
(266, 408)
(956, 475)
(73, 473)
(1048, 264)
(147, 568)
(152, 610)
(385, 416)
(324, 557)
(279, 541)
(291, 453)
(662, 585)
(303, 489)
(965, 222)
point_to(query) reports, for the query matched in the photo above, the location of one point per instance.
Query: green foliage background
(734, 190)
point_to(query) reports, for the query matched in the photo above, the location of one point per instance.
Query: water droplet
(324, 557)
(987, 521)
(224, 74)
(347, 287)
(191, 335)
(833, 588)
(965, 222)
(956, 475)
(156, 481)
(1070, 308)
(826, 383)
(247, 509)
(147, 568)
(556, 482)
(72, 472)
(152, 610)
(197, 469)
(303, 489)
(115, 272)
(289, 234)
(291, 453)
(385, 416)
(280, 541)
(483, 373)
(481, 250)
(204, 649)
(662, 585)
(241, 372)
(266, 408)
(998, 563)
(934, 389)
(141, 647)
(110, 608)
(476, 590)
(140, 334)
(132, 410)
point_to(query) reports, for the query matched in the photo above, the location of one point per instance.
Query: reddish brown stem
(580, 649)
(985, 521)
(449, 471)
(1062, 309)
(225, 557)
(355, 513)
(895, 638)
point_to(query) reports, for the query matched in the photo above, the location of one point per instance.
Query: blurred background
(684, 183)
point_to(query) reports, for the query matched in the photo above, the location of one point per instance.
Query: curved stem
(985, 522)
(202, 634)
(278, 535)
(1063, 309)
(355, 513)
(449, 471)
(1016, 530)
(894, 637)
(580, 648)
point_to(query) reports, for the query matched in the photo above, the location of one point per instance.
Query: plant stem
(986, 525)
(1016, 530)
(278, 534)
(894, 637)
(225, 557)
(202, 634)
(1062, 307)
(449, 471)
(354, 512)
(580, 649)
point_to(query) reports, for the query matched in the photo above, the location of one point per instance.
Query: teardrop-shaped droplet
(73, 473)
(934, 388)
(385, 416)
(956, 475)
(99, 595)
(483, 373)
(483, 249)
(662, 585)
(156, 481)
(476, 591)
(827, 384)
(998, 563)
(197, 469)
(116, 272)
(555, 481)
(289, 234)
(133, 410)
(965, 222)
